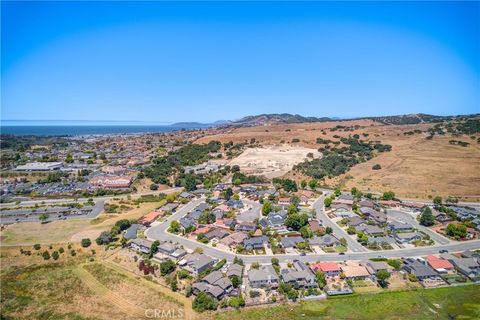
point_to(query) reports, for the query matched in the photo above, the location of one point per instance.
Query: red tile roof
(325, 266)
(437, 263)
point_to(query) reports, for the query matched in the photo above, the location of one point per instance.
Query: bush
(204, 302)
(55, 255)
(86, 242)
(377, 167)
(166, 267)
(37, 246)
(46, 255)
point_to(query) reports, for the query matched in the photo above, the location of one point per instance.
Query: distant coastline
(83, 130)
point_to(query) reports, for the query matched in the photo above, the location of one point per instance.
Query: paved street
(97, 209)
(353, 245)
(106, 198)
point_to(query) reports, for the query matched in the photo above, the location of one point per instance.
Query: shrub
(86, 242)
(376, 167)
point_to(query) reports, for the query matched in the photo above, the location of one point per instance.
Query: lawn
(444, 303)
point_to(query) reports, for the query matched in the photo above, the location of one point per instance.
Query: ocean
(83, 130)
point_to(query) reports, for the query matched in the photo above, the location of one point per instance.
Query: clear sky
(170, 62)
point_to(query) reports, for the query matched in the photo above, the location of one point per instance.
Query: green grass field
(461, 302)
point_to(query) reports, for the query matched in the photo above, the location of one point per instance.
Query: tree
(43, 217)
(437, 201)
(174, 226)
(153, 187)
(351, 230)
(388, 195)
(296, 221)
(456, 231)
(86, 242)
(266, 207)
(104, 238)
(174, 285)
(236, 281)
(46, 255)
(354, 191)
(376, 167)
(303, 184)
(427, 218)
(37, 246)
(238, 261)
(228, 193)
(237, 182)
(292, 294)
(382, 276)
(55, 255)
(204, 302)
(154, 247)
(396, 263)
(328, 230)
(306, 232)
(123, 224)
(321, 280)
(327, 202)
(313, 184)
(166, 267)
(190, 183)
(275, 261)
(337, 192)
(292, 209)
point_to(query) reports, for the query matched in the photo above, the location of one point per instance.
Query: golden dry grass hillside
(415, 168)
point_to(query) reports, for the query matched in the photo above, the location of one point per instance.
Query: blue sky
(181, 61)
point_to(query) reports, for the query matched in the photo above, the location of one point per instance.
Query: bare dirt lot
(272, 161)
(415, 168)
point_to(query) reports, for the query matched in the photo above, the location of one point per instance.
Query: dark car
(303, 254)
(443, 251)
(342, 253)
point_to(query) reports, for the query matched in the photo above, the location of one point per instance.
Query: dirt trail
(134, 312)
(187, 303)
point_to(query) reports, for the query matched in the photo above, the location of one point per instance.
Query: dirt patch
(273, 161)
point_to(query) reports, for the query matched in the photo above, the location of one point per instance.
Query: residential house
(407, 237)
(355, 221)
(149, 218)
(374, 266)
(284, 201)
(397, 226)
(330, 269)
(440, 216)
(419, 269)
(327, 240)
(234, 239)
(216, 233)
(216, 284)
(315, 226)
(290, 242)
(246, 226)
(131, 232)
(264, 276)
(255, 243)
(300, 276)
(196, 262)
(370, 230)
(235, 270)
(440, 265)
(141, 245)
(355, 272)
